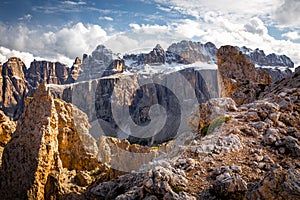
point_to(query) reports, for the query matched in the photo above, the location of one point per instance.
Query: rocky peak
(34, 143)
(237, 77)
(13, 87)
(93, 66)
(156, 56)
(102, 53)
(158, 49)
(259, 57)
(194, 51)
(77, 61)
(51, 141)
(14, 67)
(51, 72)
(74, 72)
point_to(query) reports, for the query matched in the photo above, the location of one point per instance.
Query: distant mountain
(18, 81)
(188, 52)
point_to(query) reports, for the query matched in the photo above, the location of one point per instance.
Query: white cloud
(292, 35)
(106, 18)
(25, 17)
(75, 40)
(27, 58)
(64, 44)
(73, 3)
(196, 8)
(141, 38)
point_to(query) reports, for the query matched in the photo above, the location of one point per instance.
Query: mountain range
(190, 122)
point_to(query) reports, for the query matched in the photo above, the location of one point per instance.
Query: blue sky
(62, 30)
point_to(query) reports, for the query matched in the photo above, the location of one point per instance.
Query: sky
(63, 30)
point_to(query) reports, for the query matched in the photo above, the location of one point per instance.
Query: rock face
(77, 148)
(13, 87)
(50, 72)
(99, 98)
(237, 77)
(34, 144)
(7, 127)
(102, 62)
(17, 82)
(194, 51)
(51, 140)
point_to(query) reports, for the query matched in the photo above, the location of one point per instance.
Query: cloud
(73, 3)
(26, 57)
(196, 8)
(292, 35)
(256, 26)
(106, 18)
(6, 53)
(75, 40)
(64, 44)
(288, 14)
(25, 17)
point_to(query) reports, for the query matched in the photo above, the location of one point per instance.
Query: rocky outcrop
(7, 127)
(77, 148)
(278, 183)
(213, 109)
(227, 183)
(13, 87)
(51, 141)
(32, 152)
(17, 82)
(237, 77)
(289, 82)
(158, 183)
(156, 56)
(117, 153)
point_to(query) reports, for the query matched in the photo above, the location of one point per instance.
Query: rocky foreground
(245, 145)
(246, 152)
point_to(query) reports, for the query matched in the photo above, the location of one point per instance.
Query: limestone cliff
(119, 93)
(237, 77)
(50, 72)
(101, 62)
(13, 87)
(51, 140)
(33, 150)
